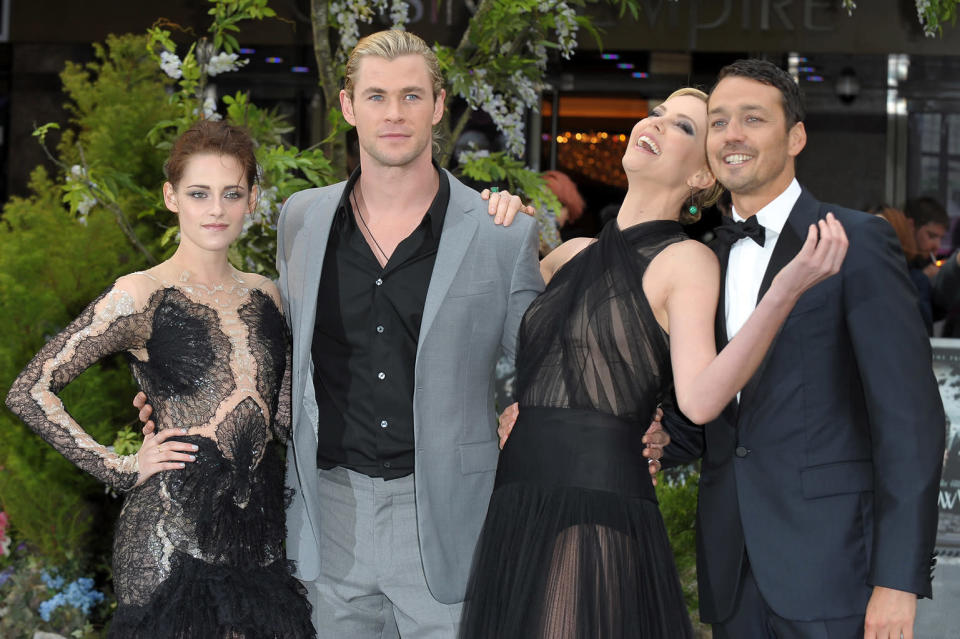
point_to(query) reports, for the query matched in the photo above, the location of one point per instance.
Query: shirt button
(381, 375)
(386, 464)
(383, 424)
(378, 282)
(379, 329)
(741, 451)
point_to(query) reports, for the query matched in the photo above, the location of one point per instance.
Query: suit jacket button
(741, 451)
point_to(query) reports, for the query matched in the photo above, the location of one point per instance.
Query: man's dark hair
(770, 74)
(924, 210)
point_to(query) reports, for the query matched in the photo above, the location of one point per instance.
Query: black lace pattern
(198, 551)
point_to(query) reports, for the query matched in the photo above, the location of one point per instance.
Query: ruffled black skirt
(228, 575)
(574, 546)
(220, 602)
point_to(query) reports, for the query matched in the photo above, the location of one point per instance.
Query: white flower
(506, 110)
(528, 92)
(399, 13)
(549, 233)
(170, 63)
(470, 155)
(268, 208)
(224, 62)
(566, 28)
(928, 29)
(86, 203)
(347, 15)
(210, 109)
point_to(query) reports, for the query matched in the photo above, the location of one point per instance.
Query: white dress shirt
(748, 260)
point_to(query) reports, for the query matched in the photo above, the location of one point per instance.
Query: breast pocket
(472, 288)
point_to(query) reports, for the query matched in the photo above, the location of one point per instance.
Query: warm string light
(595, 155)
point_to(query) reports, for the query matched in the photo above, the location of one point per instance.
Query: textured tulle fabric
(574, 545)
(198, 551)
(231, 580)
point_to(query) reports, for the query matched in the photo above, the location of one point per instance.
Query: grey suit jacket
(484, 278)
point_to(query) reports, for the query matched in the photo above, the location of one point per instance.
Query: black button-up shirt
(365, 341)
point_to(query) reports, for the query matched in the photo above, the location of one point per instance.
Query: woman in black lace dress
(574, 546)
(198, 547)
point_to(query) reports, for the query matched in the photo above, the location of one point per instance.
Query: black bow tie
(730, 230)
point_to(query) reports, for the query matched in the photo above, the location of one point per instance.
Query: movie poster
(946, 367)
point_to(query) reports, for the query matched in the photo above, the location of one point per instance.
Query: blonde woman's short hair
(390, 45)
(708, 196)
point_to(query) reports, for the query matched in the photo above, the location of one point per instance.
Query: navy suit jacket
(825, 475)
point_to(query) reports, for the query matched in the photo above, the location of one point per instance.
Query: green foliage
(934, 13)
(499, 168)
(228, 15)
(51, 266)
(101, 216)
(284, 169)
(678, 504)
(23, 593)
(106, 160)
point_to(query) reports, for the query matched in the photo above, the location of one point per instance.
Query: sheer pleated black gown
(574, 545)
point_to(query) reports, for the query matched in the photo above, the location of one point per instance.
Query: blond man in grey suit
(400, 293)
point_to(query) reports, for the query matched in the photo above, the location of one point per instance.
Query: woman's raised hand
(504, 207)
(160, 453)
(817, 260)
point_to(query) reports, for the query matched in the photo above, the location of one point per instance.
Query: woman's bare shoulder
(263, 284)
(690, 255)
(686, 263)
(139, 285)
(563, 254)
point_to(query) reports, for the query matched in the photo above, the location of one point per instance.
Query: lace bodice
(591, 340)
(202, 355)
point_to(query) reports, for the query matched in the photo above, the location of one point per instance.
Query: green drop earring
(693, 210)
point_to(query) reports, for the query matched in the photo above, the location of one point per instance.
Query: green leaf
(168, 235)
(41, 131)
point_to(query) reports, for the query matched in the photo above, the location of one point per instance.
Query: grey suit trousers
(371, 583)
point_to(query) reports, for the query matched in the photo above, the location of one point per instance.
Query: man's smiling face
(750, 146)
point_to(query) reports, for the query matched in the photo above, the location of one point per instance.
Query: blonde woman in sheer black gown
(574, 546)
(198, 546)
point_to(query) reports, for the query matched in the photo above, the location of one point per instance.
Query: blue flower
(52, 582)
(80, 594)
(48, 606)
(6, 574)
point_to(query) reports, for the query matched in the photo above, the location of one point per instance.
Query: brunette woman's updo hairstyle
(207, 136)
(704, 197)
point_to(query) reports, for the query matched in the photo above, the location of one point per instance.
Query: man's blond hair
(390, 45)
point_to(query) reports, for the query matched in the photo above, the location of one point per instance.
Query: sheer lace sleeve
(108, 325)
(283, 419)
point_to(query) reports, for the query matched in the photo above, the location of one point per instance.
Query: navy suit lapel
(722, 249)
(791, 239)
(792, 236)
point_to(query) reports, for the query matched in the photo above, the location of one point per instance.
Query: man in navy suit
(818, 495)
